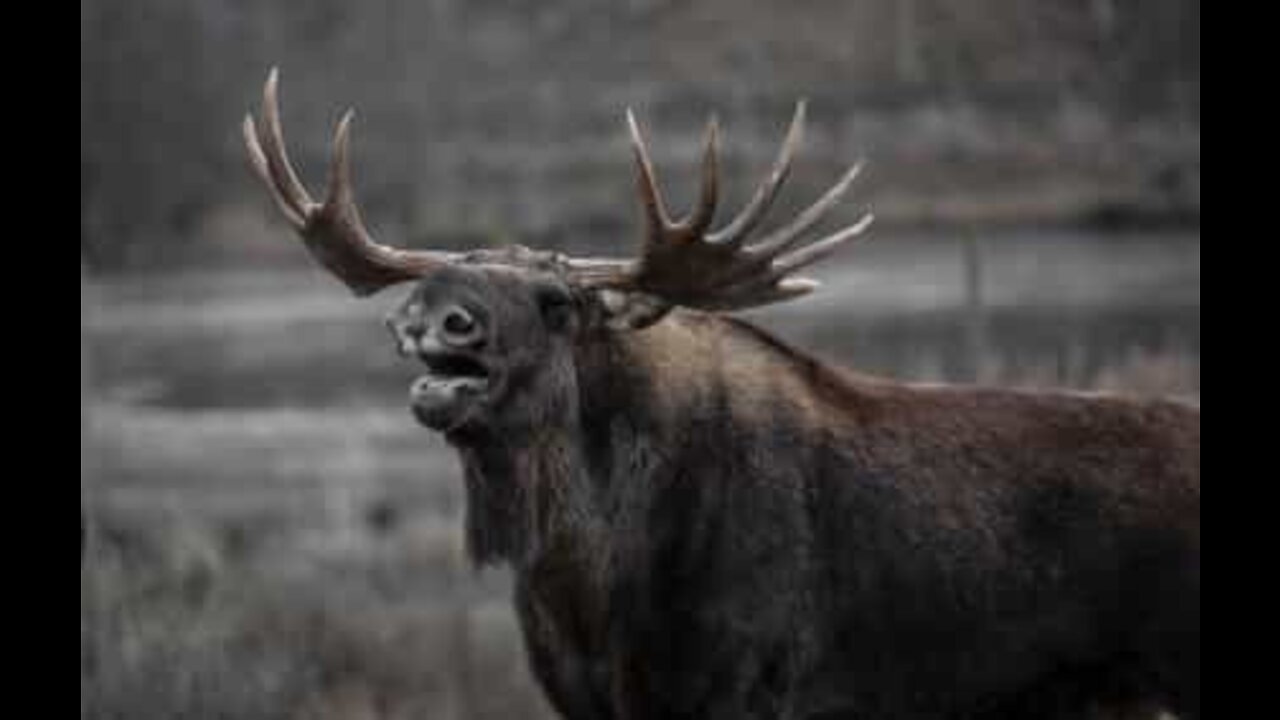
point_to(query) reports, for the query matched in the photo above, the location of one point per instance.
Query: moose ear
(630, 310)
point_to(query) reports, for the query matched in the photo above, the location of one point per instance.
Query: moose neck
(547, 487)
(645, 403)
(528, 494)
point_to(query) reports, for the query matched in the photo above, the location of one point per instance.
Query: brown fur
(716, 525)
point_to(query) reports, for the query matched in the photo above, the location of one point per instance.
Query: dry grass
(183, 617)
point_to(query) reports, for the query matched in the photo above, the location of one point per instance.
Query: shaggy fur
(707, 523)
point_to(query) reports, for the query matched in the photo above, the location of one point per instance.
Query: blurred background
(269, 535)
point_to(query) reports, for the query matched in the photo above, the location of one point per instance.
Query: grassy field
(270, 535)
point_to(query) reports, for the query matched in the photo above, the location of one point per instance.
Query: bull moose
(704, 522)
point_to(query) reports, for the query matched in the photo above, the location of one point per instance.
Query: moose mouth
(455, 366)
(441, 399)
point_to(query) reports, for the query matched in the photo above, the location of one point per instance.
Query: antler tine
(263, 169)
(740, 227)
(339, 190)
(775, 285)
(786, 237)
(650, 195)
(812, 253)
(333, 232)
(286, 180)
(756, 294)
(704, 211)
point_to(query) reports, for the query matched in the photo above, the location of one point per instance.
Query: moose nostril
(458, 322)
(406, 333)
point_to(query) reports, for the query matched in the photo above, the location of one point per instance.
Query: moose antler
(332, 231)
(683, 264)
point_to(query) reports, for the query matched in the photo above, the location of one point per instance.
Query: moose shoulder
(705, 522)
